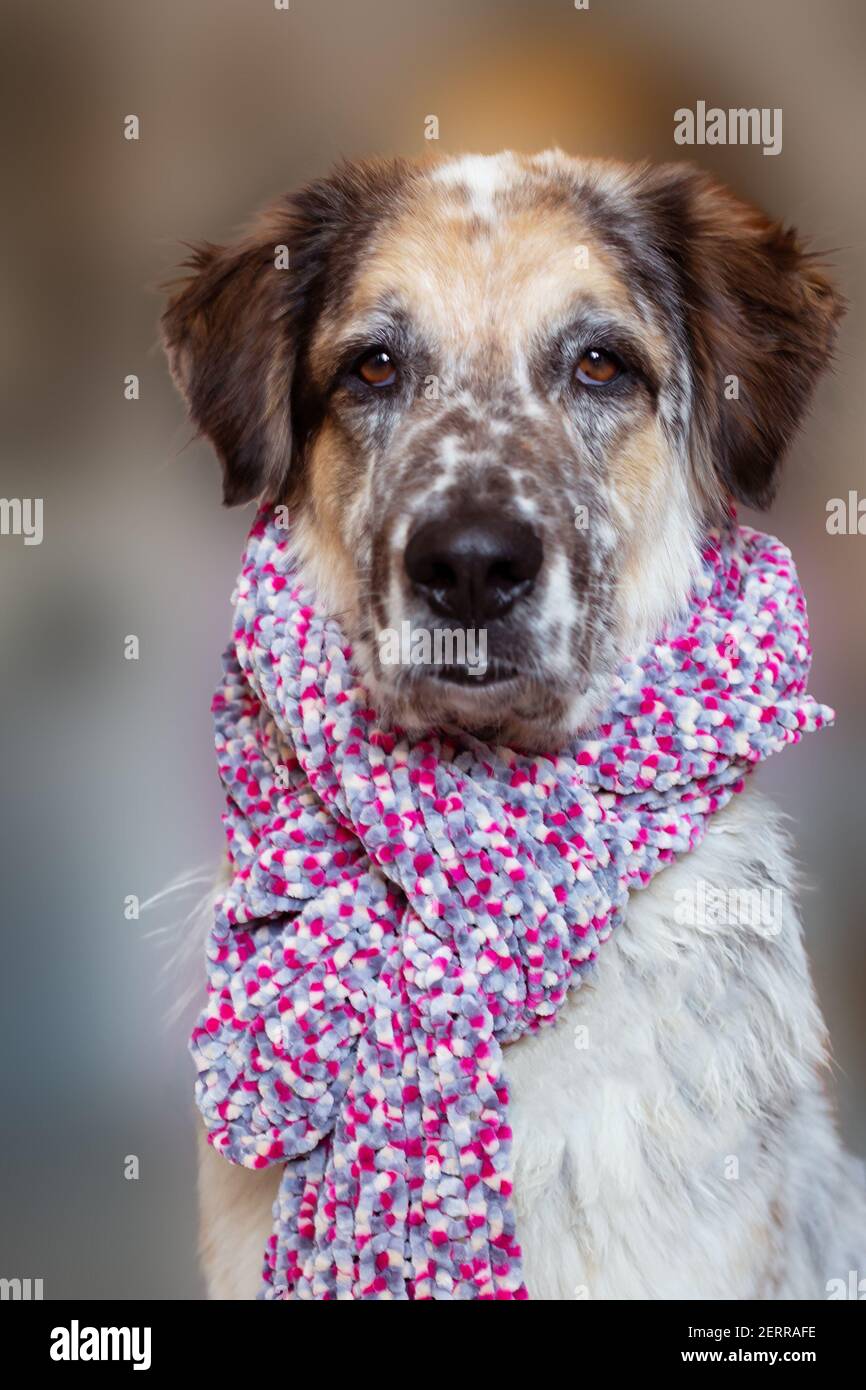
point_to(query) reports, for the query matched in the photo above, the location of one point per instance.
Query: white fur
(683, 1146)
(482, 175)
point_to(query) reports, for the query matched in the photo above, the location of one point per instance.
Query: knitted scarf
(399, 908)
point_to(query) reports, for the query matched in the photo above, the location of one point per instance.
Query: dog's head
(503, 399)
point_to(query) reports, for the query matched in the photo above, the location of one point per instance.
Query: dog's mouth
(474, 677)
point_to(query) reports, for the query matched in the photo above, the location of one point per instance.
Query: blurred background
(110, 775)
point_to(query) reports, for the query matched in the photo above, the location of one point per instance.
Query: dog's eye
(377, 368)
(597, 368)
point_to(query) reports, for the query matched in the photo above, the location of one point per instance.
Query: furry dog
(514, 393)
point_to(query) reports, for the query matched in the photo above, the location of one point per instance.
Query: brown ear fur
(759, 309)
(226, 335)
(235, 329)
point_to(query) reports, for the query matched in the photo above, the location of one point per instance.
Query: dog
(443, 369)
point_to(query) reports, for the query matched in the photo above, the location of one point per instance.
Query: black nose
(472, 567)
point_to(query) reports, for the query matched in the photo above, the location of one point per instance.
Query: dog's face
(503, 398)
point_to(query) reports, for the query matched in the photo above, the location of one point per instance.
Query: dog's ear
(761, 320)
(230, 343)
(237, 326)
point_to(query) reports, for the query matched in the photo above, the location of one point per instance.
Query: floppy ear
(236, 328)
(761, 321)
(229, 338)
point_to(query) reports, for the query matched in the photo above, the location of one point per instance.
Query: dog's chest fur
(671, 1134)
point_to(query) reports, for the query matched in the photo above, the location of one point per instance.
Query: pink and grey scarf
(401, 908)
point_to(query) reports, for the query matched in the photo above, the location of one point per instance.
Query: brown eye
(377, 369)
(597, 368)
